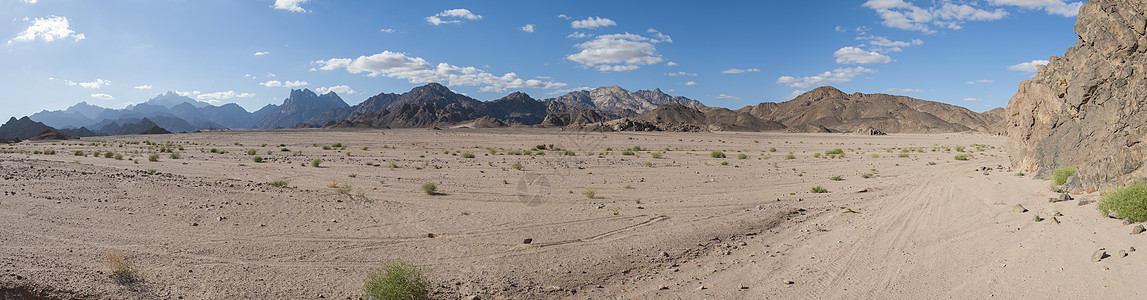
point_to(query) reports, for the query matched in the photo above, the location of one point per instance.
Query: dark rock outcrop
(155, 130)
(1086, 108)
(23, 128)
(300, 107)
(51, 135)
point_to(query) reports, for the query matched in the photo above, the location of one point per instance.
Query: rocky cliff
(1086, 108)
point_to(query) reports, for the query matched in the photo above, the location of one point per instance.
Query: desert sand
(211, 226)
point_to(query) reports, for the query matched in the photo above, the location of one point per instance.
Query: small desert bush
(279, 183)
(627, 152)
(834, 151)
(174, 156)
(589, 193)
(153, 158)
(772, 149)
(816, 155)
(467, 155)
(78, 153)
(399, 280)
(569, 153)
(876, 156)
(902, 155)
(717, 154)
(118, 156)
(122, 267)
(1126, 202)
(656, 154)
(836, 178)
(343, 189)
(108, 154)
(517, 165)
(866, 175)
(315, 163)
(963, 157)
(790, 156)
(959, 148)
(742, 156)
(258, 159)
(819, 189)
(429, 188)
(1060, 175)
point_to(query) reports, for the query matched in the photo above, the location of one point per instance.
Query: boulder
(1084, 109)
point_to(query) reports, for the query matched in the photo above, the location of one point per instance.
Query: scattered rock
(1127, 221)
(473, 297)
(1121, 254)
(527, 241)
(1131, 249)
(789, 282)
(1062, 197)
(701, 288)
(663, 288)
(1072, 184)
(1055, 213)
(1053, 221)
(1138, 229)
(744, 287)
(194, 224)
(1019, 208)
(985, 172)
(1098, 255)
(864, 190)
(430, 235)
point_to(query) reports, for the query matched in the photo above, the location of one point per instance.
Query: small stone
(527, 241)
(985, 172)
(789, 282)
(473, 297)
(664, 254)
(430, 235)
(1131, 249)
(1138, 229)
(663, 288)
(744, 287)
(1122, 254)
(1055, 213)
(701, 288)
(864, 190)
(194, 224)
(1098, 255)
(1127, 221)
(1053, 221)
(1019, 208)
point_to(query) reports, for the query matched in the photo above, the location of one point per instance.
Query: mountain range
(611, 108)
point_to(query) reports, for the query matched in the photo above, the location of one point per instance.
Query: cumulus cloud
(143, 87)
(885, 45)
(739, 71)
(563, 16)
(262, 53)
(969, 99)
(903, 91)
(671, 64)
(48, 29)
(723, 96)
(290, 5)
(565, 91)
(592, 22)
(902, 15)
(418, 70)
(578, 35)
(853, 55)
(1052, 7)
(287, 84)
(338, 89)
(94, 84)
(681, 74)
(222, 95)
(794, 94)
(452, 16)
(104, 97)
(1028, 66)
(386, 30)
(690, 83)
(980, 81)
(30, 1)
(617, 52)
(839, 75)
(528, 28)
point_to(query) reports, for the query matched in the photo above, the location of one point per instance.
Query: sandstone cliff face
(1086, 108)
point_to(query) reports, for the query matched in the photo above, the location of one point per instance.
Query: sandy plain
(685, 225)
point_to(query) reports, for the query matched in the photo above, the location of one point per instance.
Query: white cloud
(30, 1)
(1052, 7)
(528, 28)
(566, 91)
(690, 83)
(94, 84)
(223, 95)
(104, 97)
(658, 36)
(290, 5)
(452, 16)
(723, 96)
(248, 76)
(839, 75)
(418, 70)
(853, 55)
(288, 84)
(187, 94)
(47, 29)
(902, 15)
(903, 91)
(794, 94)
(563, 16)
(1028, 66)
(262, 53)
(143, 87)
(578, 35)
(883, 44)
(593, 22)
(338, 89)
(386, 30)
(617, 52)
(269, 74)
(739, 71)
(840, 29)
(970, 99)
(980, 81)
(681, 74)
(671, 64)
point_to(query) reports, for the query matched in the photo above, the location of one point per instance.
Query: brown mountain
(51, 135)
(621, 102)
(830, 108)
(1085, 109)
(23, 128)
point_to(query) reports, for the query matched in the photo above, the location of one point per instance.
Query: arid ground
(904, 220)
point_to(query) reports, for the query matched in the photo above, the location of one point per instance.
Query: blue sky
(723, 53)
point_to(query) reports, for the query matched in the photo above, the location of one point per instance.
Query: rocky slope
(23, 128)
(1085, 109)
(830, 108)
(621, 102)
(299, 107)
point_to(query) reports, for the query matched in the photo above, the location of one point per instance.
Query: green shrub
(627, 152)
(959, 148)
(108, 154)
(118, 156)
(279, 183)
(79, 153)
(1060, 175)
(214, 150)
(717, 154)
(467, 155)
(790, 156)
(742, 156)
(836, 178)
(902, 155)
(772, 149)
(258, 159)
(816, 155)
(399, 280)
(964, 157)
(834, 151)
(517, 165)
(1126, 202)
(315, 163)
(153, 158)
(569, 153)
(429, 188)
(818, 189)
(866, 175)
(656, 154)
(875, 155)
(122, 267)
(174, 155)
(343, 189)
(589, 193)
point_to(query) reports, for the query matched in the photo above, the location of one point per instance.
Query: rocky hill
(616, 101)
(299, 107)
(1085, 109)
(830, 108)
(22, 128)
